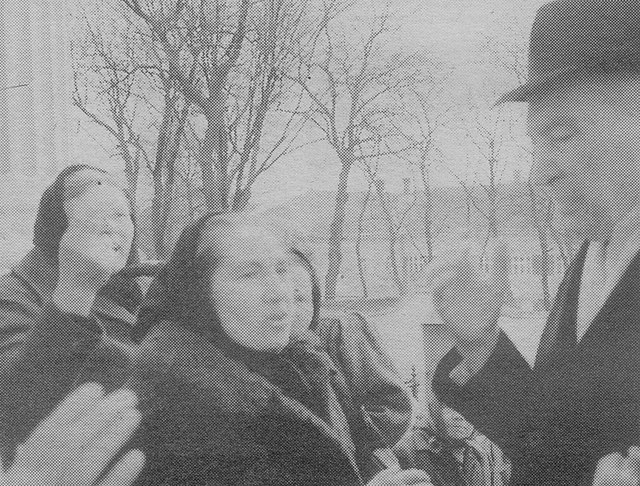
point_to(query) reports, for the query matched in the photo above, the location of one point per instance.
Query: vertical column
(43, 86)
(19, 64)
(62, 76)
(5, 145)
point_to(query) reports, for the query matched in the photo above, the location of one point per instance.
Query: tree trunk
(132, 171)
(336, 229)
(428, 208)
(393, 238)
(363, 280)
(210, 176)
(167, 153)
(493, 200)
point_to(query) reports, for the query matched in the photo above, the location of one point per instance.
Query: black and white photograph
(320, 243)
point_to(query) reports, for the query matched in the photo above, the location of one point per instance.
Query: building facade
(35, 86)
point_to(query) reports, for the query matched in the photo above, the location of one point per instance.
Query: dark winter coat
(212, 419)
(556, 420)
(34, 333)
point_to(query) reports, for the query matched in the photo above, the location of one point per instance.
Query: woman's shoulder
(20, 304)
(185, 364)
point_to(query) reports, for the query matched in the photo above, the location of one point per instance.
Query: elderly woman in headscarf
(230, 394)
(355, 347)
(84, 217)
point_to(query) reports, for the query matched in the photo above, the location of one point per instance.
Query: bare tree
(228, 59)
(394, 213)
(167, 162)
(349, 83)
(489, 138)
(424, 121)
(112, 72)
(117, 86)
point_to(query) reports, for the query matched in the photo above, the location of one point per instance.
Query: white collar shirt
(604, 265)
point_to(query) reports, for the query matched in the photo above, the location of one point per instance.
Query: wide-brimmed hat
(572, 36)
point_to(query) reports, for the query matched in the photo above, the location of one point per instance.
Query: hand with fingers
(468, 303)
(76, 443)
(400, 477)
(619, 470)
(89, 254)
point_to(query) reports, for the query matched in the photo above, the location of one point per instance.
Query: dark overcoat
(212, 420)
(557, 420)
(207, 419)
(42, 354)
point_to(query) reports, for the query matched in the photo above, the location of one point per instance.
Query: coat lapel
(622, 298)
(619, 299)
(561, 309)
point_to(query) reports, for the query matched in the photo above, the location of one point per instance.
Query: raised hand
(399, 477)
(618, 470)
(76, 443)
(468, 303)
(90, 252)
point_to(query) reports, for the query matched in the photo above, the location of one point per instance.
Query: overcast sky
(456, 32)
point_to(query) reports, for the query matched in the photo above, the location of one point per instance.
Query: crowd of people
(223, 370)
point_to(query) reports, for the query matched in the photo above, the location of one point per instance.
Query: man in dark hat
(581, 399)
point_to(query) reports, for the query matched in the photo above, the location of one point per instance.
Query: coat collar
(564, 306)
(40, 273)
(560, 309)
(185, 353)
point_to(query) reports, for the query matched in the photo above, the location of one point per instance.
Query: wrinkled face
(104, 208)
(456, 426)
(586, 152)
(303, 296)
(252, 289)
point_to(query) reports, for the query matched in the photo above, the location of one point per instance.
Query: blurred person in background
(355, 347)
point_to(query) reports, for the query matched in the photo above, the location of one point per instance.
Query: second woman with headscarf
(232, 396)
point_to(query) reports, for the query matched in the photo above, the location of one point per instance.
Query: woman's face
(104, 208)
(252, 289)
(303, 296)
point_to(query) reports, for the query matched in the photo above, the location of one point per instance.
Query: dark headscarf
(51, 220)
(180, 294)
(51, 223)
(316, 294)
